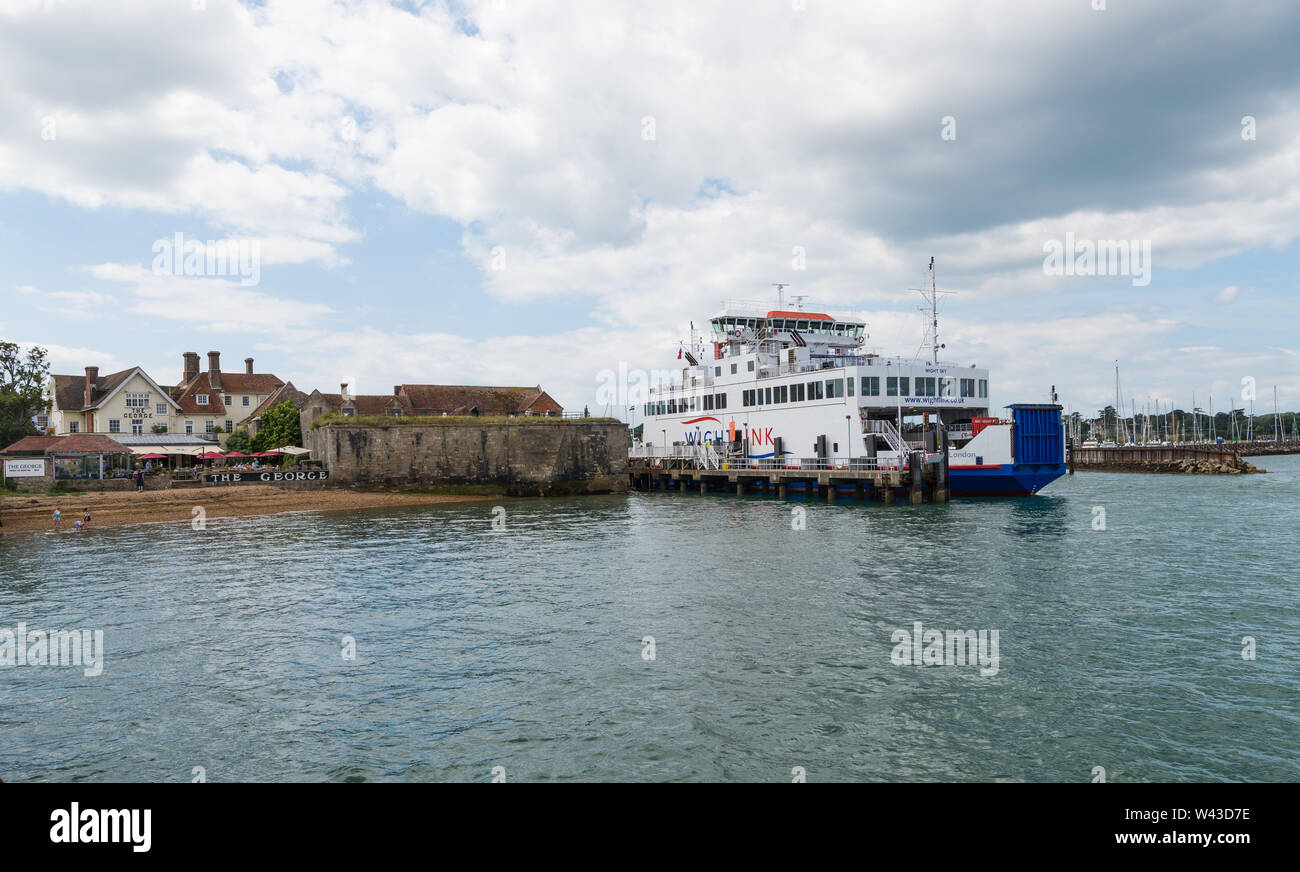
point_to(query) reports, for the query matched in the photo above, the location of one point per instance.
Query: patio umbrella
(210, 455)
(238, 454)
(153, 456)
(267, 454)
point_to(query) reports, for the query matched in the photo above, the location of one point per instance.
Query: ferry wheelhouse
(786, 387)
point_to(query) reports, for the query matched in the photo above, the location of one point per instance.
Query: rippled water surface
(523, 649)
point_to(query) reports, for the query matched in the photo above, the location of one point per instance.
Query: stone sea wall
(518, 456)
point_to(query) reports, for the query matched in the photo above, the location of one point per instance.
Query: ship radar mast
(931, 296)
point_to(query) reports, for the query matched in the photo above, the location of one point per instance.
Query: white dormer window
(201, 399)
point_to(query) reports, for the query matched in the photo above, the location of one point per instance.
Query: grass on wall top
(448, 420)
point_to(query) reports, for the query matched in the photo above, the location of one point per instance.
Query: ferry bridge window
(968, 387)
(708, 402)
(750, 366)
(815, 390)
(769, 396)
(891, 386)
(984, 387)
(871, 386)
(947, 387)
(849, 385)
(759, 396)
(782, 394)
(925, 386)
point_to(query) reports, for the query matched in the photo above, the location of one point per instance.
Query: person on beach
(85, 517)
(139, 481)
(58, 519)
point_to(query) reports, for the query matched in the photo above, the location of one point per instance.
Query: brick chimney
(343, 390)
(397, 390)
(92, 376)
(248, 366)
(191, 371)
(214, 369)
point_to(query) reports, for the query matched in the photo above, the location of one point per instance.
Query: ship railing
(886, 429)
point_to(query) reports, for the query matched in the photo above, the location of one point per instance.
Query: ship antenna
(780, 293)
(931, 296)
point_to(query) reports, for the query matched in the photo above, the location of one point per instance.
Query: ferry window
(717, 370)
(708, 402)
(947, 387)
(769, 396)
(984, 387)
(968, 387)
(797, 390)
(782, 394)
(759, 397)
(850, 385)
(803, 325)
(925, 387)
(750, 366)
(672, 407)
(733, 369)
(815, 390)
(891, 386)
(722, 401)
(834, 388)
(871, 386)
(663, 408)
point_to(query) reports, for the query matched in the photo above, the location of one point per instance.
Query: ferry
(785, 387)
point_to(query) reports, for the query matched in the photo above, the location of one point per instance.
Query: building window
(189, 427)
(201, 399)
(74, 426)
(395, 412)
(114, 425)
(137, 427)
(161, 428)
(230, 426)
(160, 409)
(245, 399)
(209, 426)
(137, 401)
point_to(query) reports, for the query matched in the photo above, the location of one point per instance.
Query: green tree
(22, 390)
(239, 440)
(279, 427)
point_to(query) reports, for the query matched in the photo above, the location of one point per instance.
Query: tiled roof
(284, 392)
(243, 383)
(489, 400)
(187, 399)
(77, 443)
(70, 390)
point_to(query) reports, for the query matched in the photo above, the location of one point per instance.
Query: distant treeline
(1181, 425)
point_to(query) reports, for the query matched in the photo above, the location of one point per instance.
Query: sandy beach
(35, 512)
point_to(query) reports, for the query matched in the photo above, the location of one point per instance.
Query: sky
(539, 193)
